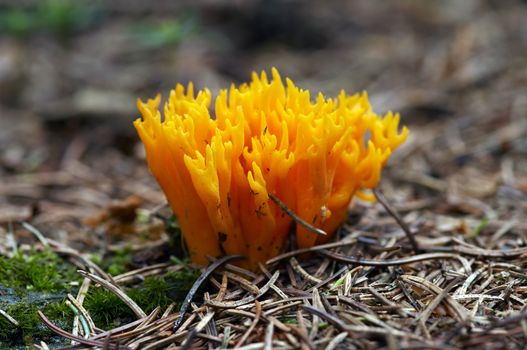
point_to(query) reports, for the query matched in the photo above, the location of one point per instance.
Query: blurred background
(70, 73)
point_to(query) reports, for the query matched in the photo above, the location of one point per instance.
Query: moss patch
(118, 262)
(31, 282)
(42, 271)
(109, 311)
(31, 329)
(41, 281)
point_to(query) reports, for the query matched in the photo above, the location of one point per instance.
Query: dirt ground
(72, 166)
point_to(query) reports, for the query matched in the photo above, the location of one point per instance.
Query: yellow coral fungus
(265, 137)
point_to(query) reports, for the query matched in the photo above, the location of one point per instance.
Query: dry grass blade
(256, 319)
(90, 342)
(37, 233)
(425, 314)
(269, 331)
(458, 309)
(9, 318)
(311, 249)
(117, 291)
(296, 266)
(188, 341)
(242, 282)
(141, 273)
(489, 253)
(246, 300)
(390, 262)
(336, 341)
(81, 294)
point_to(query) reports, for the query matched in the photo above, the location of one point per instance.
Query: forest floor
(76, 194)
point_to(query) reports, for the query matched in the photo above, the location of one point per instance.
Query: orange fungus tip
(217, 165)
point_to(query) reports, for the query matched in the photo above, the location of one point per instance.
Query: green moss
(164, 290)
(41, 280)
(40, 271)
(180, 282)
(30, 282)
(31, 329)
(118, 262)
(26, 315)
(153, 293)
(109, 311)
(58, 311)
(106, 309)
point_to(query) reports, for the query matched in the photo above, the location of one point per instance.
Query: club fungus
(228, 171)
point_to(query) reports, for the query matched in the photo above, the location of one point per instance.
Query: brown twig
(380, 197)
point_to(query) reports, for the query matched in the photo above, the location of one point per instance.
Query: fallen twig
(380, 197)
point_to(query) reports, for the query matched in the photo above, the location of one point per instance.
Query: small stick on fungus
(295, 217)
